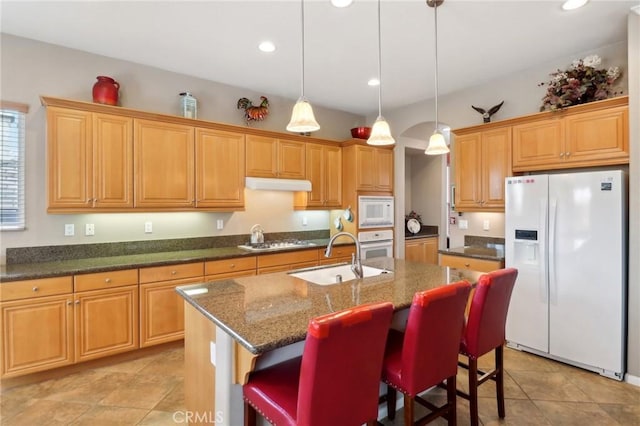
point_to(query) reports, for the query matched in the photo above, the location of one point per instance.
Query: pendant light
(437, 144)
(302, 118)
(380, 132)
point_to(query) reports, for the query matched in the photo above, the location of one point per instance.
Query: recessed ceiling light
(267, 46)
(573, 4)
(341, 3)
(374, 82)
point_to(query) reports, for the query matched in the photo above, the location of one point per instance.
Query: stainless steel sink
(334, 274)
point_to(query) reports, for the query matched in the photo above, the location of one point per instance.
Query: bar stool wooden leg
(391, 402)
(500, 380)
(473, 391)
(408, 410)
(451, 400)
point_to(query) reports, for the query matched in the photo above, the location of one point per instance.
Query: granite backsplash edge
(37, 254)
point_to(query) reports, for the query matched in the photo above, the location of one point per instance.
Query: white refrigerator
(566, 235)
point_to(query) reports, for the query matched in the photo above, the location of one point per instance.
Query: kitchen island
(242, 324)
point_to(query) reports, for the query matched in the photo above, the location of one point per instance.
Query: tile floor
(148, 390)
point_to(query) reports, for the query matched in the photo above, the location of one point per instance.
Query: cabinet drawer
(102, 280)
(171, 272)
(230, 265)
(338, 252)
(472, 264)
(35, 288)
(287, 258)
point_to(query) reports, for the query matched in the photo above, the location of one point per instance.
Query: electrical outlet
(463, 224)
(485, 225)
(148, 227)
(89, 229)
(219, 224)
(69, 230)
(305, 222)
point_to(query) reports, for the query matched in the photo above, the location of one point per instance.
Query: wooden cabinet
(105, 313)
(470, 263)
(324, 170)
(164, 156)
(275, 158)
(228, 268)
(423, 250)
(37, 325)
(339, 254)
(482, 161)
(287, 261)
(220, 168)
(370, 168)
(573, 139)
(90, 160)
(161, 308)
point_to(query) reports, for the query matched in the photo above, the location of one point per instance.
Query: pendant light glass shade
(437, 144)
(380, 133)
(302, 118)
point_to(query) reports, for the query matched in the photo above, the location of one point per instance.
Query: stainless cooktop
(276, 245)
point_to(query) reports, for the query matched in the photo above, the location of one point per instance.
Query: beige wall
(30, 69)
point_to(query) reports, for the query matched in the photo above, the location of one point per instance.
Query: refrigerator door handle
(544, 258)
(553, 289)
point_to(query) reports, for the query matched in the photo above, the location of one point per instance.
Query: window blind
(12, 141)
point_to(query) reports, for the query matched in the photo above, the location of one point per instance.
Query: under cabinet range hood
(272, 184)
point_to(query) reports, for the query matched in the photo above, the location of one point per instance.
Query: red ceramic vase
(105, 91)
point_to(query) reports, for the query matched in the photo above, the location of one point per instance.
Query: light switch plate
(69, 230)
(485, 225)
(219, 224)
(463, 224)
(148, 227)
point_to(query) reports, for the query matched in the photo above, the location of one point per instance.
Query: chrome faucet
(356, 264)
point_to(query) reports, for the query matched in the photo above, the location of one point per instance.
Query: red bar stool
(426, 353)
(335, 382)
(484, 332)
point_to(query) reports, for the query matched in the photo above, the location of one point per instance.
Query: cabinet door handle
(35, 288)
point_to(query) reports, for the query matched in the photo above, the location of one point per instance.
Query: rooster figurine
(252, 112)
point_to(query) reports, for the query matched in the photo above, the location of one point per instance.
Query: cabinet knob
(69, 303)
(77, 302)
(467, 265)
(561, 154)
(233, 265)
(35, 288)
(567, 154)
(107, 280)
(174, 272)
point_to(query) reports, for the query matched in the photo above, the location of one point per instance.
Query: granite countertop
(266, 312)
(426, 231)
(486, 248)
(35, 270)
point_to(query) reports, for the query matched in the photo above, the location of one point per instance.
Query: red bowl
(361, 132)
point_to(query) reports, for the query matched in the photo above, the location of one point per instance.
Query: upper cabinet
(324, 170)
(482, 160)
(369, 168)
(90, 160)
(164, 164)
(220, 168)
(275, 158)
(588, 135)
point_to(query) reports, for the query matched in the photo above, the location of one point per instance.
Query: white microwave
(375, 211)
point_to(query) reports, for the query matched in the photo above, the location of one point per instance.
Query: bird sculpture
(486, 115)
(252, 112)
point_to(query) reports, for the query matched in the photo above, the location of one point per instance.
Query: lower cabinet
(339, 254)
(287, 261)
(161, 308)
(470, 263)
(423, 250)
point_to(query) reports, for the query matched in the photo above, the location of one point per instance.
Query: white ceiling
(217, 40)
